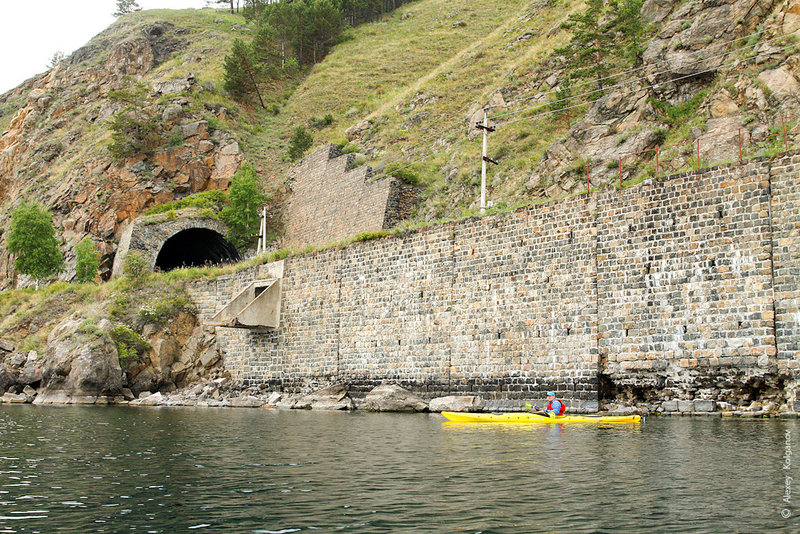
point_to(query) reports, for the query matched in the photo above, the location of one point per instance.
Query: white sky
(32, 31)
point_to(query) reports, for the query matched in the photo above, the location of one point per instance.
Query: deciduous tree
(245, 200)
(87, 261)
(32, 239)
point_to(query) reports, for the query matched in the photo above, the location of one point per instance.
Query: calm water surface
(72, 469)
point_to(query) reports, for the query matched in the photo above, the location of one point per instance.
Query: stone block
(685, 406)
(702, 405)
(670, 406)
(245, 402)
(457, 403)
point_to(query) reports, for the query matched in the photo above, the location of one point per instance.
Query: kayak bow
(465, 417)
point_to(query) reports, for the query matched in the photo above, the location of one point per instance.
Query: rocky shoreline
(221, 393)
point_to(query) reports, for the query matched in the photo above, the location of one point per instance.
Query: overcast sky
(31, 32)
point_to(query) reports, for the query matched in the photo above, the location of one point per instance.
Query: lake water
(119, 469)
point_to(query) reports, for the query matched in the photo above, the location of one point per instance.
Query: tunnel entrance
(195, 247)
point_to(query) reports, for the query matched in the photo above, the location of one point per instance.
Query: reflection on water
(72, 469)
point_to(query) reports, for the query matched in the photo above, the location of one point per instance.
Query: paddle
(538, 411)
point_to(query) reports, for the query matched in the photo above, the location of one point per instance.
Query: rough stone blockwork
(332, 201)
(663, 290)
(684, 278)
(786, 253)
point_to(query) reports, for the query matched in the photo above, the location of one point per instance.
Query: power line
(635, 69)
(633, 80)
(694, 74)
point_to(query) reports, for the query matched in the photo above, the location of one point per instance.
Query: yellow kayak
(524, 417)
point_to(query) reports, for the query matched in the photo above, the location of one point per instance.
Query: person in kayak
(555, 407)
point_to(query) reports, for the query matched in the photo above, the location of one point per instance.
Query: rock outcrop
(79, 365)
(679, 62)
(57, 139)
(335, 397)
(392, 398)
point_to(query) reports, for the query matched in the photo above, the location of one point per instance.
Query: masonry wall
(685, 286)
(332, 201)
(785, 208)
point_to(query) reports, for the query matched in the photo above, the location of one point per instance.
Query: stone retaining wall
(685, 287)
(332, 200)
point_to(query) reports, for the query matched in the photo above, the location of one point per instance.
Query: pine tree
(601, 36)
(126, 6)
(300, 141)
(32, 239)
(243, 71)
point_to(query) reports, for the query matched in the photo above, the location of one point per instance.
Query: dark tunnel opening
(195, 247)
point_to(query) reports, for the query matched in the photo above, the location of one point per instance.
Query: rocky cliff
(54, 147)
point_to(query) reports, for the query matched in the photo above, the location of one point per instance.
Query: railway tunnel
(171, 244)
(195, 247)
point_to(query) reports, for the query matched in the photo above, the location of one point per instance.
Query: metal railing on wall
(693, 154)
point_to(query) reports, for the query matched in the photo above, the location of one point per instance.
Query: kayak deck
(523, 417)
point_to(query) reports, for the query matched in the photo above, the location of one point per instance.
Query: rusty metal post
(785, 141)
(657, 161)
(588, 182)
(740, 146)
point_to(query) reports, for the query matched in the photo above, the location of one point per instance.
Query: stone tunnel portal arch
(195, 247)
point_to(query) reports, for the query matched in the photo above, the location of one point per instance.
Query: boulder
(32, 370)
(670, 406)
(29, 392)
(457, 403)
(6, 345)
(704, 405)
(273, 399)
(393, 398)
(78, 365)
(357, 130)
(8, 376)
(245, 402)
(334, 397)
(780, 80)
(52, 397)
(169, 87)
(14, 398)
(155, 399)
(172, 112)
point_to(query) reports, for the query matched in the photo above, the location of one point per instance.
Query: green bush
(369, 236)
(403, 172)
(300, 141)
(160, 311)
(130, 345)
(214, 199)
(32, 238)
(133, 134)
(136, 267)
(87, 261)
(175, 139)
(678, 114)
(350, 148)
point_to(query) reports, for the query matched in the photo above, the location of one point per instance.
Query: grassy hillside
(419, 78)
(415, 76)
